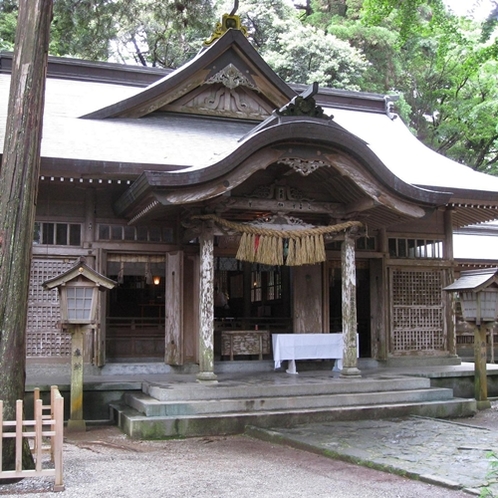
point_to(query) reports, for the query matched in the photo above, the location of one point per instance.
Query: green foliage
(380, 48)
(8, 22)
(83, 28)
(454, 95)
(149, 32)
(165, 34)
(406, 16)
(299, 58)
(490, 24)
(492, 475)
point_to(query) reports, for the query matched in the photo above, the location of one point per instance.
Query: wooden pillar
(480, 375)
(247, 282)
(449, 298)
(448, 234)
(349, 319)
(89, 226)
(76, 421)
(94, 351)
(206, 306)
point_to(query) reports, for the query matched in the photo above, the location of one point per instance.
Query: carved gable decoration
(227, 93)
(231, 77)
(226, 79)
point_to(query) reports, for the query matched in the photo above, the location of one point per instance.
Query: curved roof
(198, 126)
(345, 164)
(408, 158)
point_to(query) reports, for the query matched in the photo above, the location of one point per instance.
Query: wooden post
(206, 306)
(38, 434)
(57, 414)
(480, 375)
(492, 343)
(1, 435)
(76, 421)
(349, 319)
(449, 274)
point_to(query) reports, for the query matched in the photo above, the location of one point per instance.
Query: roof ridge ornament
(304, 105)
(228, 21)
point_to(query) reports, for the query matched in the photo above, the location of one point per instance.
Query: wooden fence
(48, 423)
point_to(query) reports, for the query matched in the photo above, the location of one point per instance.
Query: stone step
(282, 385)
(138, 425)
(152, 407)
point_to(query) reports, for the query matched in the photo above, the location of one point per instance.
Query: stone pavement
(449, 453)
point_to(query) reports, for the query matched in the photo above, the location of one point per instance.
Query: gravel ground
(105, 462)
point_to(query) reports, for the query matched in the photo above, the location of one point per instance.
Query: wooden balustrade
(48, 423)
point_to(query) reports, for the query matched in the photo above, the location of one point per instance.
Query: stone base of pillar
(207, 378)
(483, 405)
(75, 425)
(349, 373)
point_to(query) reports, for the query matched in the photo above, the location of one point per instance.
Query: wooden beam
(372, 188)
(360, 205)
(247, 203)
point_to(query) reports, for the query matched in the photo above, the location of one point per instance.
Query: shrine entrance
(136, 308)
(251, 301)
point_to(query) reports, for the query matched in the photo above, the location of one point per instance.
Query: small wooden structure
(48, 423)
(78, 289)
(245, 343)
(478, 293)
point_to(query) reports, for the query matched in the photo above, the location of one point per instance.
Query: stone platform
(152, 400)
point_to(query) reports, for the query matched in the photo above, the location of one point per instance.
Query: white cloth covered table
(307, 347)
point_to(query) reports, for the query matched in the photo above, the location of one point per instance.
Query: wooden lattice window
(132, 234)
(415, 248)
(61, 234)
(417, 314)
(44, 337)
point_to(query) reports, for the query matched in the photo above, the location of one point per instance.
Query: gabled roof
(80, 269)
(474, 280)
(227, 79)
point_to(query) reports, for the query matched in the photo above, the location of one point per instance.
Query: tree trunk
(19, 176)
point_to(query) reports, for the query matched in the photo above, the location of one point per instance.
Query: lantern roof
(81, 269)
(474, 280)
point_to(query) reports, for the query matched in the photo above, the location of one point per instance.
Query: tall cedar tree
(19, 175)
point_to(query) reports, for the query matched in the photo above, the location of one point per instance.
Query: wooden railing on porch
(48, 423)
(274, 325)
(135, 337)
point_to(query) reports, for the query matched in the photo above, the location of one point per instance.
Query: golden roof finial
(228, 21)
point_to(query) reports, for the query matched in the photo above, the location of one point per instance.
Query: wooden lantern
(478, 294)
(78, 291)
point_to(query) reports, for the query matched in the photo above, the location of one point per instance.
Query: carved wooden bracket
(303, 166)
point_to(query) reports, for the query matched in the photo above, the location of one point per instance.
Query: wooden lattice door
(44, 337)
(417, 312)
